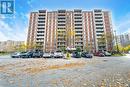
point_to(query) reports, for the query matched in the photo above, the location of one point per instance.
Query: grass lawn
(1, 54)
(119, 55)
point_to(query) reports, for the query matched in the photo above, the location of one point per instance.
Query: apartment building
(55, 30)
(123, 39)
(10, 46)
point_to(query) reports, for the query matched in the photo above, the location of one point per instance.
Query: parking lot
(76, 72)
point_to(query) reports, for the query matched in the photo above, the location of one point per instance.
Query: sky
(16, 27)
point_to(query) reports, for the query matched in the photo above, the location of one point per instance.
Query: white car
(58, 54)
(47, 55)
(16, 55)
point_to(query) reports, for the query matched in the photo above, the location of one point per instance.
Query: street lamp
(116, 42)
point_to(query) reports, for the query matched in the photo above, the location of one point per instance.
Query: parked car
(107, 53)
(86, 55)
(58, 54)
(28, 54)
(16, 55)
(37, 54)
(97, 53)
(76, 54)
(47, 55)
(101, 55)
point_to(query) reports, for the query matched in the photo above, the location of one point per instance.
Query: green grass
(1, 54)
(119, 55)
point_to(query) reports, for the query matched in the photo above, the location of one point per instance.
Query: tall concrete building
(55, 30)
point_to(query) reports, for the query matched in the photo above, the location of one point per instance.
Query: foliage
(68, 55)
(78, 49)
(4, 53)
(21, 47)
(127, 48)
(63, 49)
(102, 39)
(87, 49)
(119, 54)
(119, 47)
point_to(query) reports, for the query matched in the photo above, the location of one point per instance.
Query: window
(41, 15)
(41, 21)
(99, 24)
(61, 14)
(42, 11)
(61, 24)
(97, 11)
(98, 17)
(61, 11)
(78, 24)
(41, 28)
(98, 14)
(77, 11)
(98, 21)
(61, 21)
(78, 21)
(78, 17)
(41, 18)
(78, 28)
(99, 27)
(77, 14)
(40, 31)
(40, 35)
(59, 18)
(41, 24)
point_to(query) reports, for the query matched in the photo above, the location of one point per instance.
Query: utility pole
(116, 42)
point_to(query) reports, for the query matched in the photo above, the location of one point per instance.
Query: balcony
(61, 44)
(99, 30)
(97, 10)
(41, 26)
(78, 35)
(78, 44)
(98, 17)
(40, 40)
(40, 30)
(99, 27)
(98, 14)
(40, 37)
(101, 45)
(78, 41)
(41, 18)
(61, 41)
(99, 23)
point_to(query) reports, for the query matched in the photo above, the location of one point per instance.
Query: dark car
(86, 55)
(97, 53)
(26, 54)
(37, 54)
(76, 54)
(101, 55)
(16, 55)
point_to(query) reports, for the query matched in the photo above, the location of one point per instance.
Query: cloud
(3, 25)
(3, 37)
(10, 32)
(123, 26)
